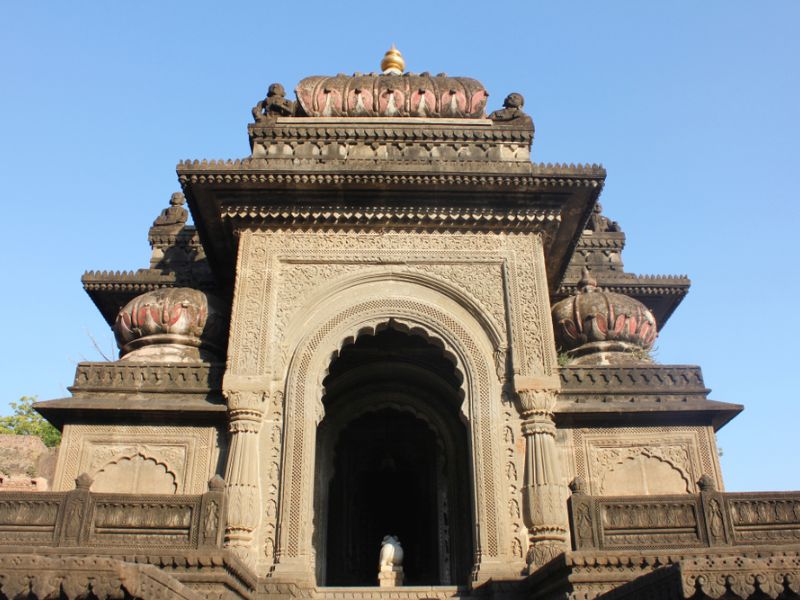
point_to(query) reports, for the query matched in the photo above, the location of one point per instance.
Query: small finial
(587, 282)
(393, 63)
(706, 483)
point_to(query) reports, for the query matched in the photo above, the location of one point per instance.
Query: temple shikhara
(392, 358)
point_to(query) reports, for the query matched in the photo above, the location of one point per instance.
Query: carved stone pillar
(544, 493)
(246, 410)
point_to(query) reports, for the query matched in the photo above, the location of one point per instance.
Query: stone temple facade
(388, 321)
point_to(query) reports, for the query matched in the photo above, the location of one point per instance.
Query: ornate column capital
(536, 396)
(246, 401)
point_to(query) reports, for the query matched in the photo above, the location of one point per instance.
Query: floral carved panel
(172, 459)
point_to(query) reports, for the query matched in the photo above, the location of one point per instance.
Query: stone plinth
(390, 576)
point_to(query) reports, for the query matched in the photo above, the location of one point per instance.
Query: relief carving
(182, 458)
(626, 461)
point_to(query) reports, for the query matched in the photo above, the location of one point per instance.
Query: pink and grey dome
(600, 327)
(172, 325)
(390, 95)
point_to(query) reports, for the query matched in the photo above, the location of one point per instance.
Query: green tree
(26, 421)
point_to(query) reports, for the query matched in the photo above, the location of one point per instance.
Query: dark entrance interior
(392, 459)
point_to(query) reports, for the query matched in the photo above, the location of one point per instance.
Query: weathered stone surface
(25, 463)
(596, 327)
(389, 257)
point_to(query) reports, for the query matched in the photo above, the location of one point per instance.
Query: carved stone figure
(175, 214)
(390, 563)
(512, 110)
(391, 552)
(274, 105)
(599, 223)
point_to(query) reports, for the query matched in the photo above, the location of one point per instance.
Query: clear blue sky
(691, 106)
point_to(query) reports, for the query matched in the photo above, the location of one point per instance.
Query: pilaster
(543, 490)
(246, 410)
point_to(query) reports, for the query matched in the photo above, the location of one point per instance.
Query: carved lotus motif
(599, 327)
(409, 95)
(171, 325)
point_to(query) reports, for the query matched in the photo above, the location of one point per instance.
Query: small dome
(171, 325)
(599, 327)
(392, 95)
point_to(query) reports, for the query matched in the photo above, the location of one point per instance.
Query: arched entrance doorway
(392, 459)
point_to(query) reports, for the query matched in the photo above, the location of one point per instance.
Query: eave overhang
(639, 394)
(225, 197)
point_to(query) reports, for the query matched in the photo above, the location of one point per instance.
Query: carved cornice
(412, 216)
(617, 392)
(610, 239)
(118, 377)
(257, 171)
(635, 285)
(388, 130)
(143, 280)
(187, 237)
(655, 379)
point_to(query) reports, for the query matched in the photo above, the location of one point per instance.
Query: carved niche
(139, 458)
(633, 461)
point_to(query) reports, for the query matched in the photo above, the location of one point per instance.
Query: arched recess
(392, 457)
(338, 321)
(135, 473)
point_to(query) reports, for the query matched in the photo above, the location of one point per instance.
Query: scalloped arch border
(472, 348)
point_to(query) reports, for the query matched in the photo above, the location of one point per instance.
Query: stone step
(436, 592)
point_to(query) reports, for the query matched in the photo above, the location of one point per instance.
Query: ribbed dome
(599, 327)
(392, 95)
(171, 325)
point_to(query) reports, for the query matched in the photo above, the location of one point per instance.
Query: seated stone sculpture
(599, 223)
(391, 552)
(175, 214)
(390, 563)
(274, 105)
(512, 111)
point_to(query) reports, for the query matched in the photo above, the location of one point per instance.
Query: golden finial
(393, 63)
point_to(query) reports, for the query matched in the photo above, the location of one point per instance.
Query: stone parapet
(710, 519)
(117, 522)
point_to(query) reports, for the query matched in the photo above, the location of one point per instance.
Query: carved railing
(705, 520)
(125, 521)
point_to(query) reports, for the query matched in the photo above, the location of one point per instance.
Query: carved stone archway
(407, 471)
(418, 310)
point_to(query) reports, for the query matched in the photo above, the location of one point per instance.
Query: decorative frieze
(119, 377)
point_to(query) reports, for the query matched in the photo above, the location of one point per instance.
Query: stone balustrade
(709, 519)
(119, 521)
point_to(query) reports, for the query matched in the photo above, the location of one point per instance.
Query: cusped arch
(133, 472)
(443, 322)
(644, 473)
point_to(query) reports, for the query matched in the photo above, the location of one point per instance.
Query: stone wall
(25, 463)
